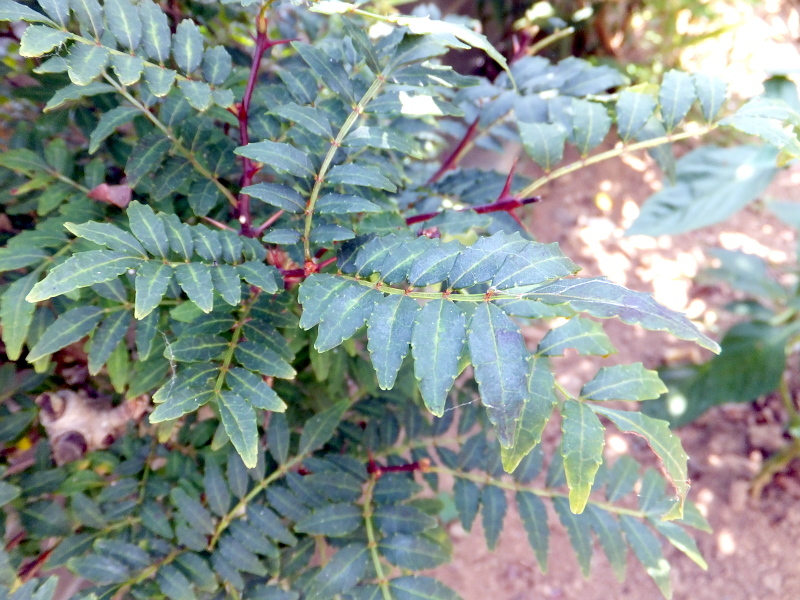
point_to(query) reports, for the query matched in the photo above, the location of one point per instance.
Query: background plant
(221, 219)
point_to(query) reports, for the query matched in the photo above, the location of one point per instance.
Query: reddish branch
(451, 161)
(377, 470)
(249, 168)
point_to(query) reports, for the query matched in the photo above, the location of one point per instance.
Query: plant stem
(550, 39)
(354, 115)
(457, 154)
(372, 542)
(237, 333)
(613, 153)
(497, 206)
(185, 152)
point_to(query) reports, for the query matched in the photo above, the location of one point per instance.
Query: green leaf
(149, 229)
(278, 195)
(493, 511)
(90, 16)
(400, 518)
(76, 92)
(282, 157)
(124, 22)
(17, 258)
(197, 93)
(41, 39)
(268, 523)
(278, 437)
(330, 71)
(99, 569)
(610, 535)
(260, 275)
(543, 142)
(604, 299)
(531, 264)
(437, 341)
(647, 548)
(152, 280)
(159, 80)
(590, 124)
(534, 519)
(82, 270)
(500, 359)
(216, 65)
(107, 338)
(415, 553)
(676, 97)
(579, 531)
(389, 327)
(128, 68)
(253, 389)
(155, 31)
(16, 314)
(633, 112)
(313, 119)
(622, 478)
(466, 496)
(434, 264)
(321, 427)
(227, 283)
(663, 442)
(582, 448)
(585, 336)
(316, 292)
(195, 280)
(218, 496)
(263, 360)
(384, 139)
(86, 62)
(712, 92)
(179, 235)
(87, 512)
(352, 174)
(337, 486)
(678, 537)
(107, 235)
(58, 10)
(344, 316)
(334, 520)
(196, 348)
(624, 382)
(192, 510)
(341, 574)
(206, 243)
(23, 161)
(174, 584)
(420, 588)
(187, 46)
(340, 204)
(8, 492)
(109, 122)
(145, 158)
(239, 420)
(181, 401)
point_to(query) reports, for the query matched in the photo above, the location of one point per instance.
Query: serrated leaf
(622, 478)
(106, 339)
(253, 389)
(218, 496)
(268, 523)
(647, 548)
(434, 264)
(86, 62)
(415, 553)
(341, 204)
(321, 427)
(466, 496)
(282, 157)
(493, 511)
(181, 401)
(316, 292)
(216, 65)
(344, 316)
(90, 16)
(145, 158)
(712, 92)
(41, 39)
(152, 280)
(633, 112)
(159, 80)
(579, 531)
(330, 71)
(364, 176)
(82, 270)
(335, 520)
(590, 124)
(604, 299)
(384, 139)
(532, 264)
(278, 195)
(109, 122)
(678, 537)
(313, 119)
(195, 280)
(196, 348)
(239, 420)
(187, 46)
(107, 235)
(500, 359)
(624, 382)
(124, 22)
(263, 360)
(128, 68)
(261, 275)
(174, 584)
(390, 327)
(179, 235)
(675, 97)
(278, 437)
(610, 535)
(534, 519)
(16, 314)
(437, 341)
(582, 444)
(192, 510)
(76, 92)
(17, 258)
(206, 243)
(341, 574)
(99, 569)
(400, 518)
(155, 31)
(585, 336)
(227, 283)
(543, 142)
(58, 10)
(663, 442)
(197, 93)
(420, 588)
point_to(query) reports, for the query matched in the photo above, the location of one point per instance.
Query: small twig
(217, 224)
(263, 227)
(452, 160)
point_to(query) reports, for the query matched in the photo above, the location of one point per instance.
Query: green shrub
(221, 220)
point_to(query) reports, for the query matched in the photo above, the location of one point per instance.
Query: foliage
(310, 298)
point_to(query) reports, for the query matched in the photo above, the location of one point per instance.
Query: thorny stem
(542, 492)
(458, 153)
(354, 115)
(613, 153)
(497, 206)
(185, 152)
(372, 543)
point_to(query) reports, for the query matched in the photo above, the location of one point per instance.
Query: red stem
(451, 161)
(506, 205)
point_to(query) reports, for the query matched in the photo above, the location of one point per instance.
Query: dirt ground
(752, 553)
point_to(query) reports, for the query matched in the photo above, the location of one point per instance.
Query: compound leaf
(390, 326)
(582, 444)
(624, 382)
(82, 270)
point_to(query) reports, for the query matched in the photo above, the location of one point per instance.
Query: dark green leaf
(534, 519)
(633, 112)
(124, 22)
(434, 264)
(278, 195)
(582, 448)
(8, 492)
(579, 531)
(590, 124)
(107, 235)
(624, 382)
(340, 204)
(712, 92)
(420, 588)
(181, 401)
(190, 508)
(40, 39)
(352, 174)
(647, 548)
(149, 229)
(268, 523)
(197, 93)
(466, 495)
(530, 264)
(543, 142)
(330, 71)
(82, 270)
(145, 158)
(218, 496)
(227, 283)
(128, 68)
(68, 328)
(109, 122)
(206, 242)
(493, 511)
(179, 235)
(100, 569)
(344, 316)
(195, 280)
(260, 275)
(390, 326)
(253, 389)
(400, 518)
(107, 338)
(676, 97)
(216, 65)
(341, 574)
(16, 314)
(622, 478)
(414, 553)
(58, 10)
(610, 535)
(159, 80)
(254, 357)
(585, 336)
(174, 584)
(239, 420)
(152, 280)
(155, 31)
(90, 16)
(86, 62)
(320, 428)
(313, 119)
(187, 46)
(278, 436)
(17, 258)
(678, 537)
(335, 520)
(279, 156)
